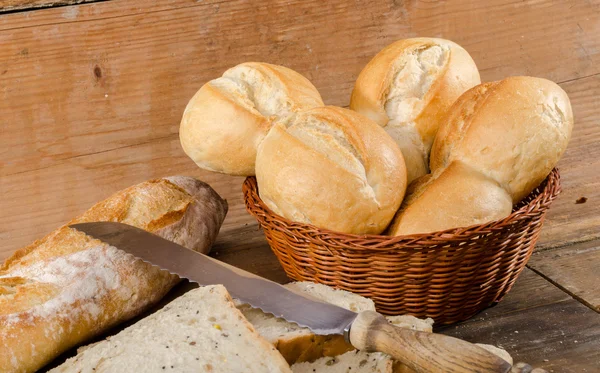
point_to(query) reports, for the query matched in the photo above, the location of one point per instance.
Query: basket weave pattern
(449, 275)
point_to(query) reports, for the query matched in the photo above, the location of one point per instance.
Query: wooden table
(92, 95)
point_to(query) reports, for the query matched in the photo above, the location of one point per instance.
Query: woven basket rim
(550, 188)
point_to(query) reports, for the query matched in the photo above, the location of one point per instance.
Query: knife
(368, 330)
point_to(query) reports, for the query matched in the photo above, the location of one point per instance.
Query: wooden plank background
(85, 118)
(91, 97)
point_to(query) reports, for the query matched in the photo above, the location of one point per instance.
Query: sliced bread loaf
(199, 331)
(298, 344)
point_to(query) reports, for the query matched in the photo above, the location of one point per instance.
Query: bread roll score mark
(413, 74)
(255, 91)
(335, 141)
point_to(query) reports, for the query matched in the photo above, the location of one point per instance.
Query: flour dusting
(83, 277)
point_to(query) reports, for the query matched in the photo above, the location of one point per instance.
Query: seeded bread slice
(350, 362)
(199, 331)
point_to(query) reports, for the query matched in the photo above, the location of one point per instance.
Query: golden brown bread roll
(407, 89)
(229, 116)
(67, 287)
(456, 197)
(333, 168)
(514, 131)
(498, 142)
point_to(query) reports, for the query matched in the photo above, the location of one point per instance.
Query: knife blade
(368, 330)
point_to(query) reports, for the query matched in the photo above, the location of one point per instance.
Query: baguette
(67, 287)
(201, 331)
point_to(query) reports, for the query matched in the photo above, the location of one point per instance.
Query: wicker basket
(449, 275)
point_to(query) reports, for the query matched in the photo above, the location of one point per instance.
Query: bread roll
(457, 197)
(513, 131)
(228, 117)
(408, 87)
(67, 287)
(333, 168)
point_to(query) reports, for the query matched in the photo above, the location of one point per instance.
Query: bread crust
(67, 287)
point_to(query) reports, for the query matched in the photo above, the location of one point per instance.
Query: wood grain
(12, 5)
(573, 268)
(537, 324)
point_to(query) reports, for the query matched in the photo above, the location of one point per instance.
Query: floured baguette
(67, 288)
(201, 331)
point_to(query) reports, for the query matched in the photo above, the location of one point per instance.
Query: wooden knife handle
(423, 352)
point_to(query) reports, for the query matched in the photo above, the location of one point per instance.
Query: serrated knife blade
(321, 318)
(367, 330)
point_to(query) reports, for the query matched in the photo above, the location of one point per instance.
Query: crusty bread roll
(228, 117)
(514, 131)
(498, 142)
(456, 197)
(333, 168)
(408, 87)
(67, 287)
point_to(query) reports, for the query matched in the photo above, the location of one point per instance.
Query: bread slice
(199, 331)
(298, 344)
(350, 362)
